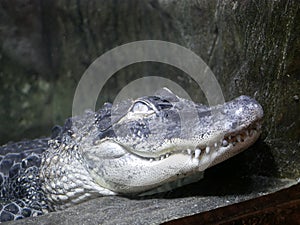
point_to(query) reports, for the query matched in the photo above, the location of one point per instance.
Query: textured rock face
(252, 47)
(156, 210)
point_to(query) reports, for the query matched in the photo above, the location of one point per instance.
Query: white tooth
(229, 138)
(167, 155)
(189, 151)
(207, 149)
(238, 138)
(216, 145)
(247, 132)
(197, 152)
(224, 143)
(195, 160)
(162, 157)
(151, 160)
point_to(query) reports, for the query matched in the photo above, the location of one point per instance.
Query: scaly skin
(139, 146)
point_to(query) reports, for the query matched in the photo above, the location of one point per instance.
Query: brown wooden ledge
(282, 207)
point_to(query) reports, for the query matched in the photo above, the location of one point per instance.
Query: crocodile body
(131, 148)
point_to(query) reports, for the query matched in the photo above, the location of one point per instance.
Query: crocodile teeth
(238, 138)
(225, 143)
(216, 145)
(189, 151)
(207, 149)
(197, 153)
(162, 157)
(167, 155)
(247, 132)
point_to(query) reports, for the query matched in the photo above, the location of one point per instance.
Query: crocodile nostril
(234, 125)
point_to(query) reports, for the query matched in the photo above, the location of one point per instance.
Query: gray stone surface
(252, 47)
(156, 210)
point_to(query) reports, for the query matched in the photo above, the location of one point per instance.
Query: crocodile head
(142, 144)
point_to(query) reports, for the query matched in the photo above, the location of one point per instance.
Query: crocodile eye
(141, 107)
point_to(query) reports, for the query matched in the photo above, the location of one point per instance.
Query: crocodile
(136, 147)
